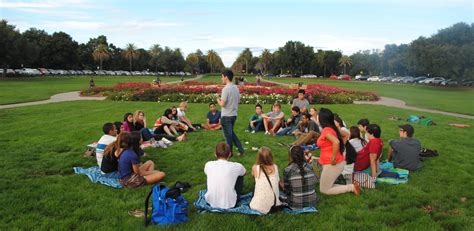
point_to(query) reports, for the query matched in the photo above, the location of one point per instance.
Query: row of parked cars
(53, 72)
(438, 81)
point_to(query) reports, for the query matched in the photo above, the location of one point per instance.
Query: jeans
(286, 131)
(258, 127)
(239, 186)
(228, 123)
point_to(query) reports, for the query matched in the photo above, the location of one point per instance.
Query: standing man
(229, 102)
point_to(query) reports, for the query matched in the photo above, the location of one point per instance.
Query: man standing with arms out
(229, 102)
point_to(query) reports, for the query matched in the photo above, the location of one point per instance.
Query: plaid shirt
(299, 195)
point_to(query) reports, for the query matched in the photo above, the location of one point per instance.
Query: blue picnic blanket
(388, 167)
(95, 175)
(241, 207)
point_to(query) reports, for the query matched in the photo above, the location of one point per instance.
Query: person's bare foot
(356, 189)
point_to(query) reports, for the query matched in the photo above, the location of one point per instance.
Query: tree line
(448, 53)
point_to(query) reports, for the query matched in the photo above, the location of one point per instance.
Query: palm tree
(212, 58)
(193, 61)
(345, 61)
(246, 56)
(130, 53)
(155, 51)
(101, 53)
(265, 59)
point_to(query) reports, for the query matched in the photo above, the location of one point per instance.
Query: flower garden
(205, 92)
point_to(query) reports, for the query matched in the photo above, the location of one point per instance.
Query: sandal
(136, 213)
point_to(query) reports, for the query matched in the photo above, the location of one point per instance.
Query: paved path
(72, 96)
(391, 102)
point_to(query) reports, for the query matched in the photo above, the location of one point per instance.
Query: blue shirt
(214, 119)
(126, 160)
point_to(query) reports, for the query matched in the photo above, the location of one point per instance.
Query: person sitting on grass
(265, 172)
(118, 126)
(291, 123)
(362, 124)
(301, 102)
(405, 152)
(181, 111)
(225, 179)
(139, 125)
(133, 173)
(356, 141)
(213, 121)
(368, 159)
(165, 128)
(306, 125)
(299, 181)
(109, 165)
(127, 123)
(110, 133)
(256, 121)
(181, 126)
(273, 120)
(342, 129)
(332, 146)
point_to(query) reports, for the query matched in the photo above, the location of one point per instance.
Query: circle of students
(342, 151)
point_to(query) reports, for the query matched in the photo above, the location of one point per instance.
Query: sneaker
(267, 133)
(253, 132)
(162, 144)
(167, 142)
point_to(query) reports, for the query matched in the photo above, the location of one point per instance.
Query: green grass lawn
(18, 90)
(41, 144)
(459, 100)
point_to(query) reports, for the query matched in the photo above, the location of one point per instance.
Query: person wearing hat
(405, 152)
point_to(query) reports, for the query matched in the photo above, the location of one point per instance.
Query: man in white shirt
(110, 133)
(224, 179)
(229, 102)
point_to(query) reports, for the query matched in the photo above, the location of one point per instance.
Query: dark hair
(363, 122)
(108, 127)
(306, 114)
(296, 109)
(118, 126)
(301, 91)
(297, 157)
(338, 119)
(222, 150)
(355, 133)
(211, 103)
(126, 115)
(229, 74)
(135, 138)
(167, 112)
(374, 130)
(326, 119)
(258, 105)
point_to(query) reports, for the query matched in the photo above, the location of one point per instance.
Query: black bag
(428, 153)
(274, 208)
(351, 153)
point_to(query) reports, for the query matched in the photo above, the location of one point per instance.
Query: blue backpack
(413, 119)
(165, 210)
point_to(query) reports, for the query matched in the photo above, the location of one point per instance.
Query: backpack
(428, 153)
(427, 122)
(413, 119)
(165, 209)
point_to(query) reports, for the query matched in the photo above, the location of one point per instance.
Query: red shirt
(326, 147)
(363, 156)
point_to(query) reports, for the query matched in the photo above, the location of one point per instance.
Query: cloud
(45, 4)
(72, 25)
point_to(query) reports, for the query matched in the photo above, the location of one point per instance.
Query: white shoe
(167, 142)
(253, 132)
(162, 144)
(267, 133)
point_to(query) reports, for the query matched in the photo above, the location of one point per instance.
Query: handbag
(274, 207)
(364, 180)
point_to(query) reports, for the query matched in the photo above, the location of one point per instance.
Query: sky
(230, 26)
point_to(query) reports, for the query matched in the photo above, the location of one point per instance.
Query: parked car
(419, 78)
(284, 75)
(374, 79)
(361, 77)
(467, 82)
(344, 77)
(449, 83)
(269, 75)
(44, 71)
(407, 79)
(434, 81)
(333, 77)
(10, 73)
(309, 76)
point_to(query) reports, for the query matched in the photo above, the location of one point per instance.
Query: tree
(130, 53)
(101, 53)
(265, 59)
(212, 58)
(61, 52)
(155, 51)
(345, 61)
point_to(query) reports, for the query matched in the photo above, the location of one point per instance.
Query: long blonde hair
(265, 159)
(135, 117)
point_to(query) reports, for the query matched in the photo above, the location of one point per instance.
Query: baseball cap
(408, 128)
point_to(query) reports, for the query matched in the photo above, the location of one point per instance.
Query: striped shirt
(299, 195)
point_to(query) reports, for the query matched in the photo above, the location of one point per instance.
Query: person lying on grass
(405, 152)
(273, 120)
(213, 120)
(368, 159)
(225, 179)
(331, 144)
(256, 121)
(133, 173)
(264, 171)
(109, 165)
(299, 181)
(291, 124)
(110, 133)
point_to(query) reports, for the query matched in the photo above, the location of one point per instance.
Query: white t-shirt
(221, 178)
(101, 145)
(356, 143)
(180, 113)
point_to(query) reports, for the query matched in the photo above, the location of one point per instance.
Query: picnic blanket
(95, 175)
(388, 167)
(241, 207)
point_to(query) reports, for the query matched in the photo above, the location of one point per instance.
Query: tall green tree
(130, 53)
(155, 51)
(212, 59)
(101, 53)
(345, 61)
